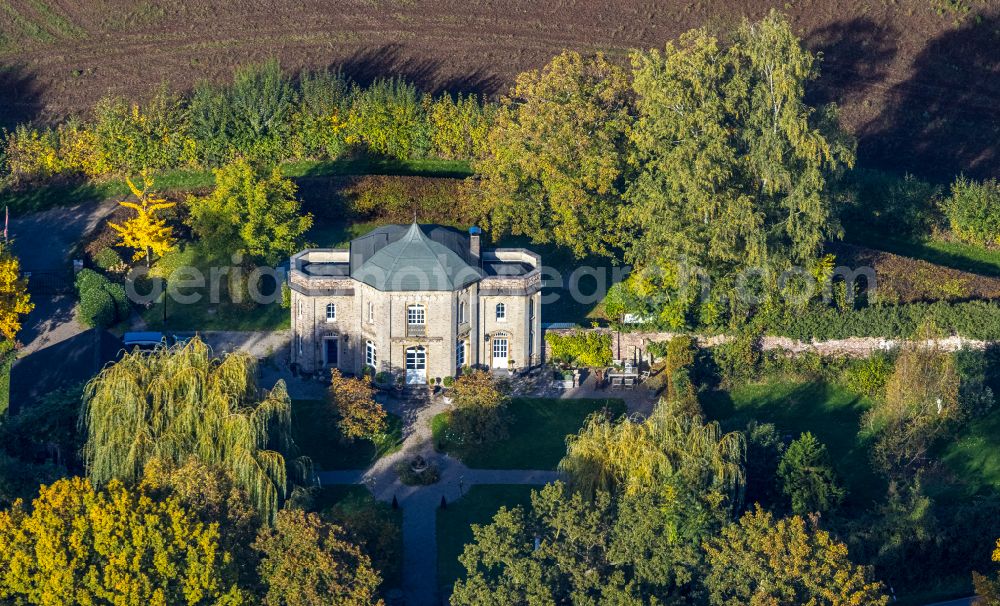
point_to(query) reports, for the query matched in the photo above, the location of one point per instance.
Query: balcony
(416, 330)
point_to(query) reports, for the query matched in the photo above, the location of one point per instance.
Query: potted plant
(563, 378)
(448, 382)
(400, 383)
(383, 380)
(432, 385)
(510, 365)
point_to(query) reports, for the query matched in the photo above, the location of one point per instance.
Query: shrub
(973, 211)
(868, 377)
(108, 259)
(102, 302)
(807, 478)
(586, 348)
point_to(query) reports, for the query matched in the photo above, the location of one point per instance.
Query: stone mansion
(418, 301)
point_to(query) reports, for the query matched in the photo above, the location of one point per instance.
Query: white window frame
(460, 349)
(501, 312)
(416, 315)
(331, 312)
(371, 354)
(462, 319)
(371, 312)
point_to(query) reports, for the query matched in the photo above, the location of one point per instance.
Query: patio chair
(617, 382)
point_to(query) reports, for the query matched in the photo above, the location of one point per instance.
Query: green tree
(388, 118)
(760, 562)
(555, 161)
(260, 105)
(306, 562)
(174, 403)
(973, 211)
(569, 565)
(78, 545)
(633, 457)
(732, 162)
(251, 212)
(807, 477)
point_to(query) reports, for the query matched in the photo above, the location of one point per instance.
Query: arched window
(501, 312)
(371, 355)
(331, 312)
(460, 353)
(461, 313)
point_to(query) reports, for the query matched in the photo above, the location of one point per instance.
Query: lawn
(975, 456)
(832, 414)
(203, 314)
(321, 441)
(454, 524)
(538, 430)
(375, 525)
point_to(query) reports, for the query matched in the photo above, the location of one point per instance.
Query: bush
(586, 348)
(388, 118)
(480, 413)
(108, 259)
(868, 377)
(807, 478)
(102, 302)
(973, 211)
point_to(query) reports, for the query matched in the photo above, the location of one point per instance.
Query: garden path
(420, 503)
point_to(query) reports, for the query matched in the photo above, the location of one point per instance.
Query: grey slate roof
(415, 262)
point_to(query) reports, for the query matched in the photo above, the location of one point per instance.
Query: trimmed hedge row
(973, 320)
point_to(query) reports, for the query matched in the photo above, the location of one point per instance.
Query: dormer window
(501, 312)
(331, 312)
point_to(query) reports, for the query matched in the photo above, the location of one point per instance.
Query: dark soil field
(919, 88)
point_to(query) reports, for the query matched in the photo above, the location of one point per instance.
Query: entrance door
(331, 351)
(499, 352)
(416, 366)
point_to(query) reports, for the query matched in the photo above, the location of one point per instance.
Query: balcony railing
(416, 330)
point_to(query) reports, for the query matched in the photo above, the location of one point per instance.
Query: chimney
(474, 233)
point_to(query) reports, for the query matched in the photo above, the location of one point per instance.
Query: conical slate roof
(415, 262)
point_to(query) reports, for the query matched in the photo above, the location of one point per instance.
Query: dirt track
(919, 90)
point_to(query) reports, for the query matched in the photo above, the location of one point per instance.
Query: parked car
(149, 341)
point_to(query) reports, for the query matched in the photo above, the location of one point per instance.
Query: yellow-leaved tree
(145, 232)
(14, 298)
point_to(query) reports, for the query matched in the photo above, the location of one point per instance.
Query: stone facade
(340, 321)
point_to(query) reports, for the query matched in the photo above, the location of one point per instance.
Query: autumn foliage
(359, 415)
(14, 298)
(145, 232)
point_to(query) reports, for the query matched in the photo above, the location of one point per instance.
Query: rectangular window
(371, 356)
(501, 312)
(331, 312)
(371, 312)
(415, 320)
(460, 354)
(415, 315)
(298, 308)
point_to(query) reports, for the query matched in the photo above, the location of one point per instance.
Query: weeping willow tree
(175, 403)
(632, 457)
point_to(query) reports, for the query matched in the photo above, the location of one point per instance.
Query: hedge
(102, 302)
(973, 320)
